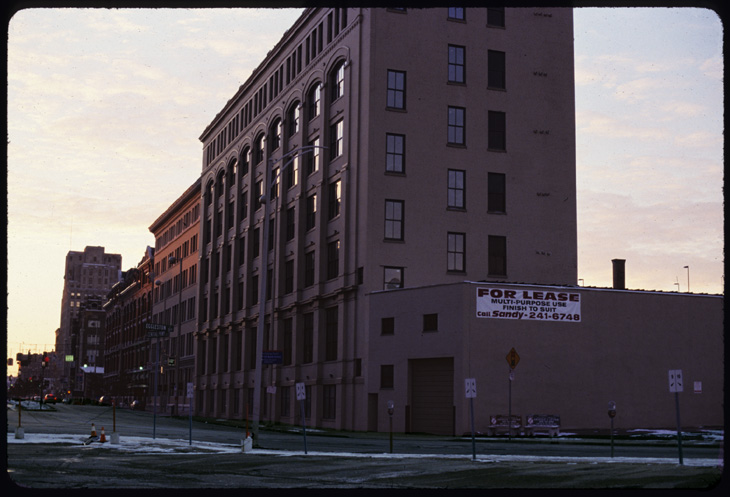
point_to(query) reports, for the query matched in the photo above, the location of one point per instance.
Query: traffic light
(46, 359)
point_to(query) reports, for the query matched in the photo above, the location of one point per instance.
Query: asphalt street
(334, 459)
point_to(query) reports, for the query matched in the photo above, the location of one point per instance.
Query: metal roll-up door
(432, 396)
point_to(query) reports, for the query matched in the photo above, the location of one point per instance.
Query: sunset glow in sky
(105, 108)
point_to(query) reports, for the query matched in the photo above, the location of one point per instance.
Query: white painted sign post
(301, 396)
(676, 385)
(470, 387)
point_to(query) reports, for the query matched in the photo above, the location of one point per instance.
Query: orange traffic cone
(103, 438)
(93, 430)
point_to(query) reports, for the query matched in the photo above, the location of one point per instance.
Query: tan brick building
(175, 298)
(399, 148)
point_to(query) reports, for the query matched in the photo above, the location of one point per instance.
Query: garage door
(432, 395)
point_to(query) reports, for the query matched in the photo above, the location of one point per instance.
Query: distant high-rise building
(88, 274)
(399, 148)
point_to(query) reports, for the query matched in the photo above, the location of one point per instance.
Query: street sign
(190, 390)
(272, 357)
(301, 392)
(470, 386)
(155, 330)
(513, 358)
(676, 384)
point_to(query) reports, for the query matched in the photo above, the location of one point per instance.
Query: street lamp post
(263, 276)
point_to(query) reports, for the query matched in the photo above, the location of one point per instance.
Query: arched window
(245, 161)
(232, 168)
(314, 101)
(292, 118)
(220, 184)
(275, 134)
(258, 152)
(209, 192)
(337, 81)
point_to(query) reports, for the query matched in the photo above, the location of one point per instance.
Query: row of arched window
(265, 143)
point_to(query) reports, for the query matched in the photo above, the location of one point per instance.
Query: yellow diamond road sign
(513, 358)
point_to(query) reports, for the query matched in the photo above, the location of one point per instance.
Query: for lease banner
(530, 304)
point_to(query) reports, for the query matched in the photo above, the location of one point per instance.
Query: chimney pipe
(619, 274)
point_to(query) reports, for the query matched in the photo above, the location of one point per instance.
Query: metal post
(611, 437)
(509, 414)
(154, 400)
(176, 355)
(304, 426)
(473, 442)
(612, 414)
(679, 427)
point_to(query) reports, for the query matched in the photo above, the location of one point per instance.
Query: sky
(106, 107)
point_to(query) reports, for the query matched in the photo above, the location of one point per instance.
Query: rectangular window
(386, 376)
(457, 125)
(291, 221)
(392, 277)
(497, 74)
(396, 98)
(395, 153)
(257, 192)
(430, 322)
(456, 13)
(495, 16)
(241, 251)
(292, 173)
(311, 214)
(308, 338)
(243, 202)
(312, 158)
(456, 252)
(329, 401)
(497, 139)
(330, 335)
(456, 194)
(497, 257)
(256, 242)
(254, 289)
(287, 327)
(289, 276)
(337, 133)
(333, 259)
(457, 64)
(309, 269)
(496, 193)
(394, 220)
(387, 326)
(335, 193)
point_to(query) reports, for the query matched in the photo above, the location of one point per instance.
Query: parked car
(50, 398)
